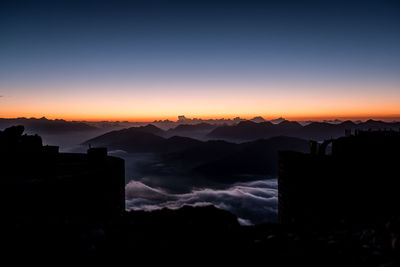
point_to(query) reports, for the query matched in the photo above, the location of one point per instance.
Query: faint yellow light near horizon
(202, 100)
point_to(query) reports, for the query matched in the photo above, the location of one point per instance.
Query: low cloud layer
(252, 202)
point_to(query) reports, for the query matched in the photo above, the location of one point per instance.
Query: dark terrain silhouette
(199, 130)
(218, 160)
(69, 205)
(141, 139)
(40, 180)
(248, 130)
(44, 125)
(358, 181)
(250, 158)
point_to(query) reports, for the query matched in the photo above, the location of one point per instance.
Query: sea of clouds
(252, 202)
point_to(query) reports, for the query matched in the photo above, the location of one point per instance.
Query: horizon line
(205, 118)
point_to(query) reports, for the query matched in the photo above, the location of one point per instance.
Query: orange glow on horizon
(301, 117)
(149, 102)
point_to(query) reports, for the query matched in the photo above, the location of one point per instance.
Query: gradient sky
(144, 60)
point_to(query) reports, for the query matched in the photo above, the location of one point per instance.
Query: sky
(145, 60)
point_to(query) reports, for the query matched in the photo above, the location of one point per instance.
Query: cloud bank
(252, 202)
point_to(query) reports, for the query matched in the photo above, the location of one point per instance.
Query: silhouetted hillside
(44, 125)
(185, 130)
(128, 140)
(141, 139)
(191, 130)
(212, 158)
(248, 130)
(203, 153)
(177, 143)
(230, 162)
(150, 128)
(253, 158)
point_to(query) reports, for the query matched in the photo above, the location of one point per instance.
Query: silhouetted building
(358, 181)
(38, 182)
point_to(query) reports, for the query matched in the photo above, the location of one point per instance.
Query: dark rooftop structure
(357, 181)
(39, 183)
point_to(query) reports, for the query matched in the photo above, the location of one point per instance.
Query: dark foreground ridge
(57, 204)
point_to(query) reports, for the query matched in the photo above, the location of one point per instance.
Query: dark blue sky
(257, 44)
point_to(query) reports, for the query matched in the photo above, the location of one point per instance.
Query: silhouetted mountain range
(191, 130)
(253, 158)
(232, 162)
(237, 130)
(211, 158)
(224, 159)
(248, 130)
(44, 125)
(141, 139)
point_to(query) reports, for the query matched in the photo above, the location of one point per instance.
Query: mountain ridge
(247, 130)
